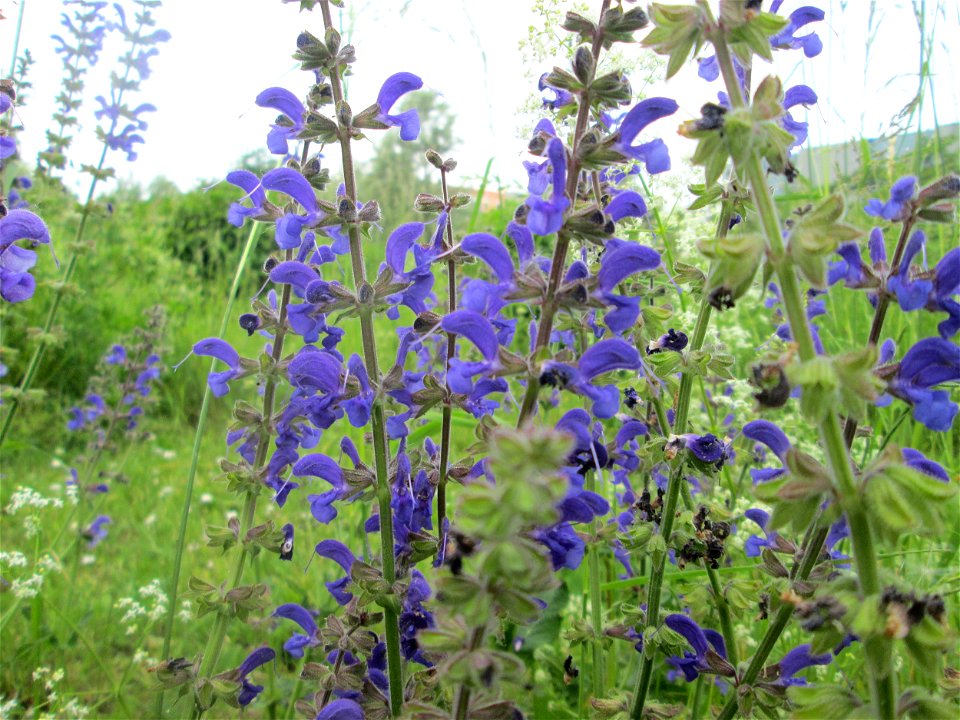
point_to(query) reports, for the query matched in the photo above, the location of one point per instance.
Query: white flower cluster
(25, 588)
(151, 604)
(28, 497)
(54, 709)
(13, 559)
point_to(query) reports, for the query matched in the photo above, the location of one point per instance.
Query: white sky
(224, 52)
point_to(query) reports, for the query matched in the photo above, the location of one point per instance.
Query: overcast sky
(224, 52)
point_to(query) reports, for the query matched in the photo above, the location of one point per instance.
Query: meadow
(623, 515)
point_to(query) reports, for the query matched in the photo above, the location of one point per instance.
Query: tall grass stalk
(242, 263)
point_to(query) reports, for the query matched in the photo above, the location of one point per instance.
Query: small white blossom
(13, 559)
(27, 588)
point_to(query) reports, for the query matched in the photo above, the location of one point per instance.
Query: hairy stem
(549, 307)
(378, 424)
(681, 411)
(596, 604)
(879, 661)
(818, 536)
(451, 348)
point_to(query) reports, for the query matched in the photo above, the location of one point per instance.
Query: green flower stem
(211, 653)
(596, 605)
(378, 425)
(462, 702)
(41, 348)
(819, 536)
(446, 422)
(654, 589)
(879, 314)
(252, 236)
(677, 480)
(16, 40)
(879, 660)
(549, 307)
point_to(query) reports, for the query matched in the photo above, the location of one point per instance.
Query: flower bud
(425, 202)
(347, 210)
(249, 322)
(583, 64)
(344, 114)
(425, 322)
(459, 200)
(946, 188)
(449, 165)
(369, 213)
(434, 158)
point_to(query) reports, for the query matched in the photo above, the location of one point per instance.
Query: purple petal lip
(283, 100)
(607, 355)
(219, 349)
(338, 552)
(300, 615)
(476, 328)
(492, 251)
(394, 86)
(766, 432)
(626, 260)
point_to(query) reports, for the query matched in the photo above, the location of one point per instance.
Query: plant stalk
(879, 661)
(817, 539)
(549, 306)
(451, 349)
(378, 425)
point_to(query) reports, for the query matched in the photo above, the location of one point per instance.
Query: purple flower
(796, 660)
(654, 153)
(946, 284)
(393, 88)
(321, 466)
(249, 691)
(313, 370)
(342, 709)
(492, 251)
(223, 351)
(624, 260)
(673, 341)
(96, 532)
(250, 184)
(931, 362)
(304, 618)
(912, 293)
(546, 216)
(921, 463)
(565, 546)
(692, 664)
(765, 432)
(707, 448)
(797, 95)
(898, 206)
(16, 282)
(605, 356)
(560, 98)
(788, 39)
(290, 122)
(340, 554)
(755, 544)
